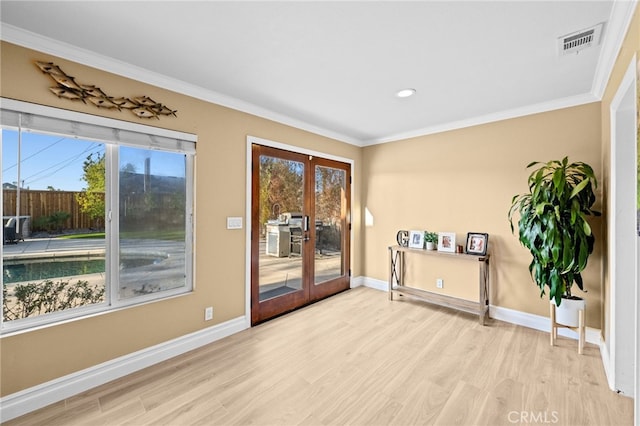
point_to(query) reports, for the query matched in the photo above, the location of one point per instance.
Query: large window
(97, 214)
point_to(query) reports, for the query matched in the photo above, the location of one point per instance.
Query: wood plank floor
(359, 359)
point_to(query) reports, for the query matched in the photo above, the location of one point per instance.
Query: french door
(300, 211)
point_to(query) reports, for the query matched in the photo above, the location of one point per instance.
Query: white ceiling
(334, 67)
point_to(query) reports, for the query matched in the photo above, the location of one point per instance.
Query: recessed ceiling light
(405, 93)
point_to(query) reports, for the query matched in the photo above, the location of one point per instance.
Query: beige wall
(34, 357)
(630, 46)
(463, 181)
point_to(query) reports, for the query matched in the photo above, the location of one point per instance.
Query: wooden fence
(39, 204)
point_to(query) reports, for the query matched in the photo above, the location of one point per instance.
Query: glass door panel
(330, 185)
(280, 226)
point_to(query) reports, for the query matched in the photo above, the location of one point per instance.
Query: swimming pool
(20, 270)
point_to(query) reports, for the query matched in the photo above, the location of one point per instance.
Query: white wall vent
(579, 40)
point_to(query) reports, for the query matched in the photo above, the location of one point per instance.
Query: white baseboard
(356, 282)
(537, 322)
(371, 283)
(606, 363)
(19, 403)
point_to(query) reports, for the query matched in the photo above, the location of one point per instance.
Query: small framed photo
(477, 243)
(416, 239)
(447, 241)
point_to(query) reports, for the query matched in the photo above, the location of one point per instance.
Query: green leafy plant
(57, 220)
(430, 237)
(91, 199)
(54, 222)
(553, 224)
(31, 299)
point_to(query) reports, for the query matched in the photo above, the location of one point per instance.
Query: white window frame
(114, 133)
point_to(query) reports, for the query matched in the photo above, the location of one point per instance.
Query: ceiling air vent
(580, 40)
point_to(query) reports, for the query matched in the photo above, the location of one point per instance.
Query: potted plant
(430, 240)
(553, 226)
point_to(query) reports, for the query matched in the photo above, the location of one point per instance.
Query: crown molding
(490, 118)
(616, 30)
(31, 40)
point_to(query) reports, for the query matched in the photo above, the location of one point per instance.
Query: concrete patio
(44, 247)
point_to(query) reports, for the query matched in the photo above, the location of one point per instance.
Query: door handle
(306, 229)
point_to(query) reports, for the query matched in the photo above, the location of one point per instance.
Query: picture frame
(477, 243)
(416, 239)
(447, 242)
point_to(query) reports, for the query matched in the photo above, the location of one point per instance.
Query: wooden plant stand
(580, 329)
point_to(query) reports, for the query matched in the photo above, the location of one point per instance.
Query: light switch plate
(234, 223)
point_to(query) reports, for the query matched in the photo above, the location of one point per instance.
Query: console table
(396, 281)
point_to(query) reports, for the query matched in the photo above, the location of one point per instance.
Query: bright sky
(46, 160)
(57, 161)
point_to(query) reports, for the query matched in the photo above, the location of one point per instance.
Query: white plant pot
(431, 246)
(567, 312)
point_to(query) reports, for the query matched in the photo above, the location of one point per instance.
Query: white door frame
(622, 303)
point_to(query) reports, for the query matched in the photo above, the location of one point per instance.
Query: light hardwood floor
(359, 359)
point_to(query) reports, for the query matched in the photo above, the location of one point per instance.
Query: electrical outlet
(208, 313)
(439, 283)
